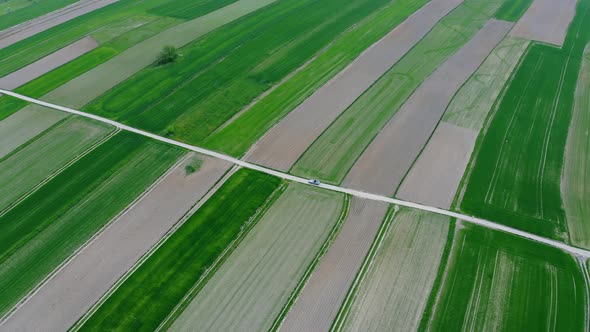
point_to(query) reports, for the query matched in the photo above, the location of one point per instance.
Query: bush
(168, 54)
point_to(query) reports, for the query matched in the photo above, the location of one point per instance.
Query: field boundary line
(357, 193)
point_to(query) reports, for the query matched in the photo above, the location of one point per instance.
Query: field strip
(63, 299)
(40, 24)
(48, 63)
(282, 146)
(319, 302)
(546, 21)
(289, 177)
(383, 165)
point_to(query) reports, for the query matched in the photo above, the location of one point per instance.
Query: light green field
(397, 286)
(26, 168)
(25, 125)
(471, 104)
(245, 129)
(331, 156)
(13, 12)
(252, 286)
(575, 184)
(499, 282)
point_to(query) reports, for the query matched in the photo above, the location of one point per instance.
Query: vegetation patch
(516, 173)
(19, 11)
(151, 293)
(513, 10)
(189, 9)
(50, 224)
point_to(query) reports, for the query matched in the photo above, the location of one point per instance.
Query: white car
(314, 182)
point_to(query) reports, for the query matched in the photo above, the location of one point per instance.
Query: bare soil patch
(546, 21)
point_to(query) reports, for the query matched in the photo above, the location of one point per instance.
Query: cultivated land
(229, 68)
(239, 133)
(252, 286)
(51, 223)
(287, 141)
(334, 153)
(546, 21)
(513, 10)
(394, 292)
(575, 181)
(151, 293)
(515, 176)
(64, 299)
(22, 126)
(497, 282)
(317, 306)
(27, 29)
(25, 168)
(383, 165)
(48, 63)
(13, 12)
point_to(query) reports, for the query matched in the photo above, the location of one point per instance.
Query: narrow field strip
(40, 24)
(14, 12)
(254, 283)
(287, 141)
(22, 126)
(62, 300)
(394, 292)
(334, 153)
(546, 21)
(48, 63)
(50, 224)
(383, 165)
(513, 10)
(154, 289)
(497, 282)
(466, 218)
(25, 169)
(575, 181)
(318, 303)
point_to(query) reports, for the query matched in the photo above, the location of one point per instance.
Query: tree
(168, 54)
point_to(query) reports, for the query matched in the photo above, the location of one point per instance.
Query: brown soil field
(546, 21)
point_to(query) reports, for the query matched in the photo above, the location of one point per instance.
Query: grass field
(500, 282)
(189, 10)
(334, 153)
(252, 286)
(247, 128)
(516, 172)
(150, 294)
(397, 286)
(575, 186)
(14, 12)
(46, 227)
(227, 69)
(513, 10)
(24, 169)
(472, 104)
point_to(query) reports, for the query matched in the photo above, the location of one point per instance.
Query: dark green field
(513, 10)
(517, 171)
(150, 294)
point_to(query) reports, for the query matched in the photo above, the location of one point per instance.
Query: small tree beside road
(168, 54)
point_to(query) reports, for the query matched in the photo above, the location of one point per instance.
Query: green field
(189, 10)
(346, 138)
(499, 282)
(14, 12)
(50, 224)
(25, 168)
(512, 10)
(226, 70)
(237, 136)
(516, 173)
(150, 294)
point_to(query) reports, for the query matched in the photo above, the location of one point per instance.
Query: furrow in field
(390, 155)
(48, 63)
(22, 171)
(63, 299)
(497, 282)
(24, 125)
(546, 21)
(317, 306)
(53, 222)
(250, 288)
(575, 182)
(40, 24)
(394, 292)
(287, 141)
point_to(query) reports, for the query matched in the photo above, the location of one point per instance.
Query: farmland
(351, 133)
(151, 293)
(14, 12)
(516, 172)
